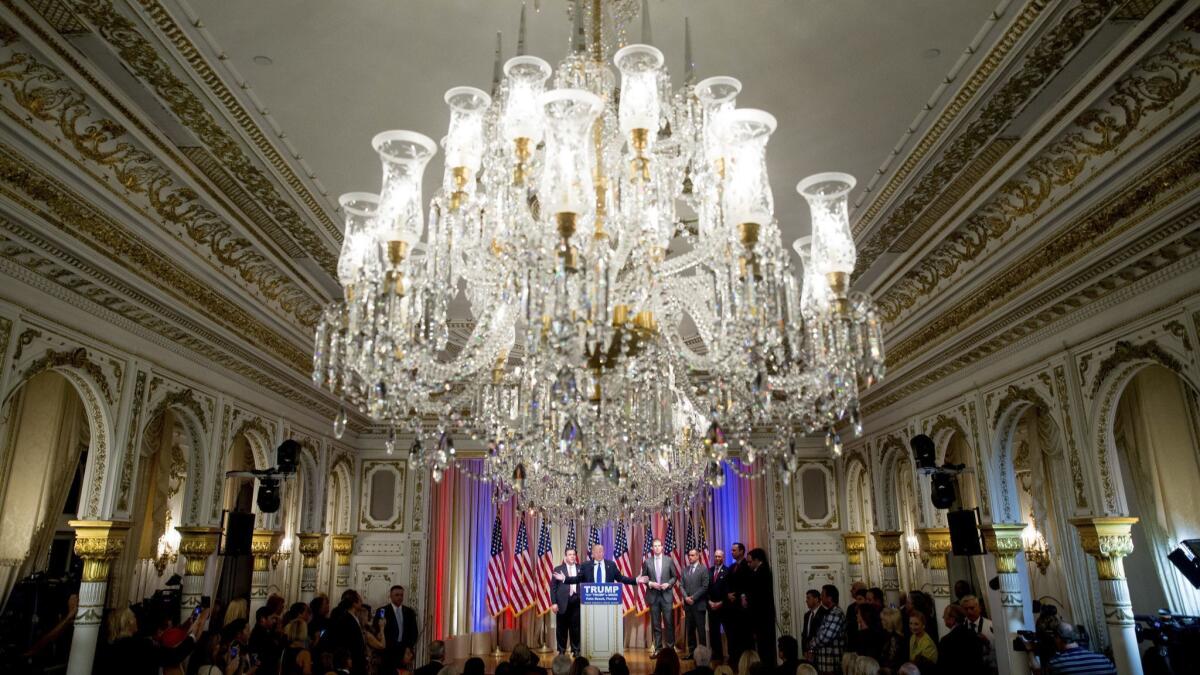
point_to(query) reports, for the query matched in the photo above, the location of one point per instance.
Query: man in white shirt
(660, 570)
(979, 624)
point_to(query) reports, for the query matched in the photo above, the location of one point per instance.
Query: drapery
(460, 538)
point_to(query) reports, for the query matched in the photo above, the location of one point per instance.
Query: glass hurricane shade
(522, 114)
(640, 66)
(464, 139)
(401, 216)
(814, 296)
(748, 197)
(357, 243)
(566, 183)
(718, 95)
(827, 197)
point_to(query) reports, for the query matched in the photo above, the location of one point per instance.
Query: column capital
(856, 543)
(98, 542)
(1004, 541)
(196, 544)
(935, 543)
(311, 544)
(343, 546)
(263, 545)
(887, 542)
(1108, 539)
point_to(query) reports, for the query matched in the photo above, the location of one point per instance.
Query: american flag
(593, 538)
(497, 594)
(629, 600)
(670, 550)
(545, 568)
(702, 540)
(571, 545)
(522, 591)
(647, 545)
(689, 539)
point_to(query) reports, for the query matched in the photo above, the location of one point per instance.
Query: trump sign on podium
(603, 632)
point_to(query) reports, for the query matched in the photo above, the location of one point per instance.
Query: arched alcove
(47, 437)
(1155, 431)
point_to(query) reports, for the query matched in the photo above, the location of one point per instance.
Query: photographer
(1071, 658)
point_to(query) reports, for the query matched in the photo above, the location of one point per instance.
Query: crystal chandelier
(635, 316)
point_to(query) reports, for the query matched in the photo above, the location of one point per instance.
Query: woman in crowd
(747, 661)
(922, 650)
(869, 638)
(668, 663)
(297, 659)
(893, 650)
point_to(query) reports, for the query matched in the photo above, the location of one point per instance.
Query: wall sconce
(913, 545)
(168, 550)
(284, 552)
(1037, 552)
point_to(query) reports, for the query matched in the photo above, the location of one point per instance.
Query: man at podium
(599, 571)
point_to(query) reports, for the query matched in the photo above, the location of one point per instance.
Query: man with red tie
(717, 591)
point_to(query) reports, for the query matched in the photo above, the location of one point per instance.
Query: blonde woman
(237, 609)
(921, 648)
(297, 660)
(126, 651)
(724, 670)
(805, 669)
(749, 658)
(893, 651)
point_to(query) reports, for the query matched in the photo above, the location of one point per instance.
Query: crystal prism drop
(339, 423)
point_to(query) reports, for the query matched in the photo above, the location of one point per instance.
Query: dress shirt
(571, 573)
(598, 566)
(658, 568)
(399, 613)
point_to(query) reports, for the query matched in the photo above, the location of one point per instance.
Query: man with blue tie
(597, 571)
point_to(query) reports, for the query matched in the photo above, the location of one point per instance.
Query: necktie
(600, 572)
(399, 623)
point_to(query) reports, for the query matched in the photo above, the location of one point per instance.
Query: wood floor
(638, 659)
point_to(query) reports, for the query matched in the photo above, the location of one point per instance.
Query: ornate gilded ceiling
(1054, 165)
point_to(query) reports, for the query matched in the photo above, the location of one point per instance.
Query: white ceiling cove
(845, 78)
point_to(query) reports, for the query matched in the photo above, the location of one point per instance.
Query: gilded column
(935, 543)
(856, 544)
(311, 544)
(343, 547)
(1109, 540)
(1004, 542)
(97, 542)
(196, 545)
(888, 545)
(264, 545)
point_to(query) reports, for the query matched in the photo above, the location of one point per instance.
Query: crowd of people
(314, 638)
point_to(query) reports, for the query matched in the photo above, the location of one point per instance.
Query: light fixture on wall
(168, 550)
(1037, 552)
(632, 302)
(913, 546)
(284, 552)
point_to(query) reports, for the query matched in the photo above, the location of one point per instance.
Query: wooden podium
(601, 614)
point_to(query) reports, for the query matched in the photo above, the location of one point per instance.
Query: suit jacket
(391, 628)
(587, 574)
(718, 582)
(668, 576)
(560, 591)
(695, 585)
(739, 580)
(760, 595)
(812, 624)
(960, 652)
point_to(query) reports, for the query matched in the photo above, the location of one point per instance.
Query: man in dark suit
(400, 629)
(437, 655)
(737, 631)
(345, 635)
(812, 617)
(695, 600)
(659, 570)
(565, 599)
(598, 571)
(717, 583)
(960, 650)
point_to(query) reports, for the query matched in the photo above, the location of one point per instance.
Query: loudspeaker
(239, 531)
(964, 533)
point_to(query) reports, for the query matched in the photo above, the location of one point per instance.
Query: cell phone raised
(196, 612)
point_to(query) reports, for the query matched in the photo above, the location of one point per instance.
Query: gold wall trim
(41, 92)
(1156, 84)
(139, 54)
(1043, 61)
(25, 185)
(957, 105)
